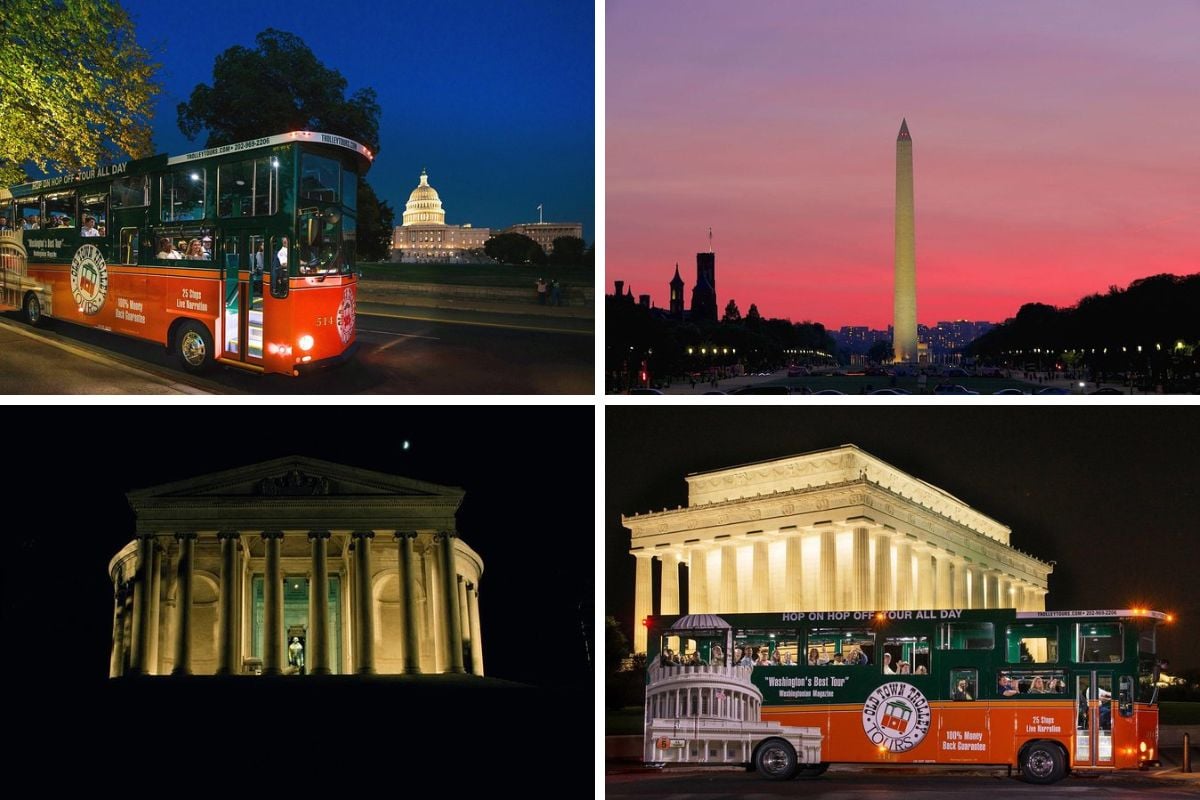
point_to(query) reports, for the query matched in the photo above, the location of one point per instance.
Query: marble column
(183, 603)
(1006, 594)
(366, 622)
(862, 593)
(115, 659)
(141, 606)
(316, 660)
(668, 595)
(828, 578)
(760, 576)
(793, 570)
(925, 579)
(943, 595)
(959, 582)
(408, 603)
(226, 642)
(883, 571)
(698, 581)
(465, 617)
(641, 601)
(450, 601)
(905, 597)
(991, 582)
(273, 604)
(152, 616)
(977, 591)
(729, 580)
(476, 630)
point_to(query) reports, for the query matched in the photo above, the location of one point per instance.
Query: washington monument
(904, 341)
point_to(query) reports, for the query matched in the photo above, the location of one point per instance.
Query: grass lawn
(859, 384)
(524, 277)
(1178, 712)
(623, 722)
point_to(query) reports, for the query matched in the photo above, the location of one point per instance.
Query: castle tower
(677, 295)
(904, 343)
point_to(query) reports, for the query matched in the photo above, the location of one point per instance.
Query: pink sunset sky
(1056, 150)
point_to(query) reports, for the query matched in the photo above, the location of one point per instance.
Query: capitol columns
(943, 593)
(728, 603)
(959, 582)
(1006, 593)
(793, 570)
(155, 599)
(977, 592)
(642, 607)
(827, 599)
(141, 605)
(364, 629)
(454, 651)
(883, 570)
(925, 577)
(668, 602)
(698, 580)
(185, 570)
(992, 588)
(862, 594)
(904, 574)
(317, 658)
(759, 595)
(226, 621)
(272, 604)
(408, 603)
(476, 631)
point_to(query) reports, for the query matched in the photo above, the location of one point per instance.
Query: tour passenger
(887, 664)
(195, 251)
(89, 227)
(961, 692)
(717, 656)
(166, 249)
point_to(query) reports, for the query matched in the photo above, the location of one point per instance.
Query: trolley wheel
(776, 759)
(193, 346)
(31, 310)
(1043, 762)
(812, 770)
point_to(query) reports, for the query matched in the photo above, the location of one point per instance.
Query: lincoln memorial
(300, 567)
(832, 530)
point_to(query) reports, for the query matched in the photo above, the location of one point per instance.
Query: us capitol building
(425, 236)
(296, 566)
(832, 530)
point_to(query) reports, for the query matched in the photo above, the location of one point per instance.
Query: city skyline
(1057, 148)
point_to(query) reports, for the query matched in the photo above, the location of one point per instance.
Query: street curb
(111, 360)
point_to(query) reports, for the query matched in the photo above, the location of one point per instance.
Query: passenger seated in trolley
(962, 691)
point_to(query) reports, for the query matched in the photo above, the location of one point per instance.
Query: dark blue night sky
(494, 99)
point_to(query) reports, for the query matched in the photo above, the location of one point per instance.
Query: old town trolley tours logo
(345, 316)
(89, 279)
(896, 716)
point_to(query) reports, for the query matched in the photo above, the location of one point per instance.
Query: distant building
(544, 233)
(676, 295)
(425, 236)
(704, 293)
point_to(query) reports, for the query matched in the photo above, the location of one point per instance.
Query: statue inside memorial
(296, 654)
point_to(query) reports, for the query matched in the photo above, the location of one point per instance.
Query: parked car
(952, 388)
(1008, 391)
(762, 390)
(890, 391)
(829, 391)
(1107, 390)
(1053, 390)
(646, 391)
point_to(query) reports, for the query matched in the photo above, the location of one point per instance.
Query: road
(399, 353)
(845, 782)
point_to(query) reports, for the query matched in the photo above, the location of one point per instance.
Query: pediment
(294, 476)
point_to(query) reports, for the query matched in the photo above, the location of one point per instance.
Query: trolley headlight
(306, 342)
(1143, 747)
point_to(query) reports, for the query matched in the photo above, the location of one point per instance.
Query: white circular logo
(345, 316)
(896, 716)
(89, 279)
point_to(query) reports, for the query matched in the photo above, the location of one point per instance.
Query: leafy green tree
(279, 86)
(731, 313)
(616, 646)
(881, 352)
(376, 222)
(514, 248)
(568, 250)
(76, 89)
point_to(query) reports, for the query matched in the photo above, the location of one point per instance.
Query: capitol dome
(424, 207)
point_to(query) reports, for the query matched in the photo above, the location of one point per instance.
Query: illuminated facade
(223, 572)
(544, 233)
(424, 234)
(833, 530)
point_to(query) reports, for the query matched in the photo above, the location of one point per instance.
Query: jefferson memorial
(831, 530)
(296, 566)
